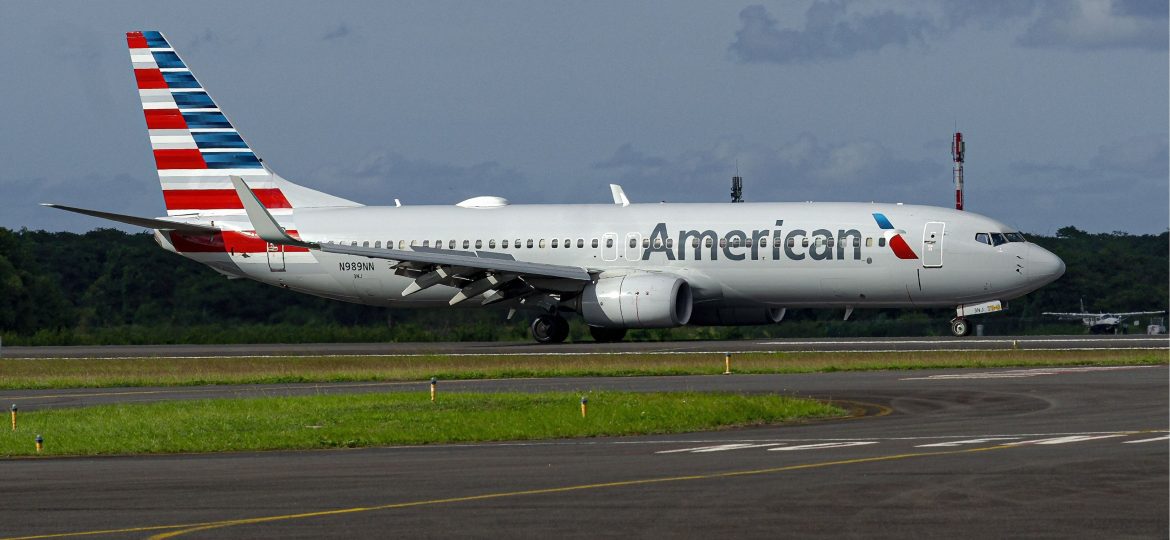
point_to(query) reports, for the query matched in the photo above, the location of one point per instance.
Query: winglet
(619, 196)
(266, 226)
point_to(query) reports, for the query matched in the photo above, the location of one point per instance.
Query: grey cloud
(800, 169)
(1144, 155)
(1093, 24)
(384, 175)
(829, 33)
(340, 31)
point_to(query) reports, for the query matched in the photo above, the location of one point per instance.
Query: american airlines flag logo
(894, 237)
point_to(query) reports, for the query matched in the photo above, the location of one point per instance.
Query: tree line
(111, 287)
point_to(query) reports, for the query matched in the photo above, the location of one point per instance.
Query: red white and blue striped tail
(196, 148)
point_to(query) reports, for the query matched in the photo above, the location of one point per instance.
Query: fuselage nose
(1043, 266)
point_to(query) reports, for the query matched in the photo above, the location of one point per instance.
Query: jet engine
(642, 300)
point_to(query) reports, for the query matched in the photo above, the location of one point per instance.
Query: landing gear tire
(550, 329)
(960, 327)
(607, 335)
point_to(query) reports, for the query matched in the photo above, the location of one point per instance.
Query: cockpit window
(998, 239)
(1014, 237)
(983, 238)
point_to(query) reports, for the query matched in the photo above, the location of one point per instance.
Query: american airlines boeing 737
(618, 266)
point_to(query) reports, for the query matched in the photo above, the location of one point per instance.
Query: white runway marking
(1162, 438)
(1068, 439)
(719, 448)
(967, 441)
(822, 446)
(1020, 373)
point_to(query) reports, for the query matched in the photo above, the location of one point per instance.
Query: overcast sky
(1064, 103)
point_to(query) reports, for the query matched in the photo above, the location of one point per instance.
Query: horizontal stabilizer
(149, 223)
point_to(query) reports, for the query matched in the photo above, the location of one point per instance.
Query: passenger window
(983, 238)
(554, 242)
(478, 244)
(366, 243)
(413, 243)
(353, 243)
(869, 242)
(517, 244)
(402, 244)
(882, 242)
(645, 243)
(804, 242)
(763, 242)
(541, 243)
(492, 244)
(581, 243)
(791, 241)
(426, 243)
(568, 243)
(829, 242)
(594, 243)
(633, 243)
(695, 242)
(439, 244)
(609, 242)
(450, 244)
(722, 242)
(708, 242)
(504, 244)
(529, 244)
(670, 243)
(378, 244)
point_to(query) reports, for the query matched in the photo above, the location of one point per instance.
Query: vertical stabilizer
(196, 148)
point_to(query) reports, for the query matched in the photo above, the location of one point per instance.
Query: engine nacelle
(642, 300)
(738, 316)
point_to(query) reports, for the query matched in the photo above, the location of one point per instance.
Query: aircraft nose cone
(1044, 265)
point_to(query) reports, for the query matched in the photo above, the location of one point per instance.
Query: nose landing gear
(960, 327)
(550, 329)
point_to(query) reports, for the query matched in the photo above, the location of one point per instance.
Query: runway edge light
(434, 385)
(13, 417)
(584, 404)
(40, 443)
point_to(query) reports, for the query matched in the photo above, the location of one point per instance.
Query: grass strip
(309, 422)
(107, 373)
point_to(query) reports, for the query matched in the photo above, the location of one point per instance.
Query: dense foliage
(107, 286)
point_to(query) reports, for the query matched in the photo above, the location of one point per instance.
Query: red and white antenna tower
(958, 148)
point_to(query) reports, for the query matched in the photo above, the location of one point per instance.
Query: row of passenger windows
(995, 239)
(609, 243)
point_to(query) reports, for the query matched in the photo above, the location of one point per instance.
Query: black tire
(960, 327)
(549, 329)
(607, 335)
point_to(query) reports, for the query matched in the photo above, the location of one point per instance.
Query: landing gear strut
(607, 335)
(960, 327)
(550, 329)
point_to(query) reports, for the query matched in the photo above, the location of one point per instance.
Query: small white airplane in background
(618, 266)
(1101, 323)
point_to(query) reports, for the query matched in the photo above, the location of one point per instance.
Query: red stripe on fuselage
(164, 119)
(226, 242)
(149, 78)
(179, 159)
(220, 199)
(900, 248)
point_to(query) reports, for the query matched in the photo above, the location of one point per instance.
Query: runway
(640, 347)
(963, 453)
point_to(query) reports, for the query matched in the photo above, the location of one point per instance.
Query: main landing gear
(550, 328)
(960, 327)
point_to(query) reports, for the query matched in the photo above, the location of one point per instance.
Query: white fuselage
(752, 254)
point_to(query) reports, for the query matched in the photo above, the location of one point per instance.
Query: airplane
(1101, 323)
(618, 266)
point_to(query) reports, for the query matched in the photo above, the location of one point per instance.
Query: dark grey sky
(1064, 103)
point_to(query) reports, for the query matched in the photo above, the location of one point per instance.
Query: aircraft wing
(494, 275)
(1073, 315)
(1132, 313)
(149, 223)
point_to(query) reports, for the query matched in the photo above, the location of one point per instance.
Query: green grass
(387, 419)
(105, 373)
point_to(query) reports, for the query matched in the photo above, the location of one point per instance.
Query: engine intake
(637, 301)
